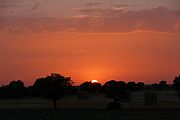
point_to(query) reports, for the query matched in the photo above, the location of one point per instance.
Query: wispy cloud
(18, 4)
(97, 20)
(123, 6)
(13, 6)
(92, 4)
(36, 6)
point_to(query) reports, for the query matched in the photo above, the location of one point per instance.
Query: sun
(94, 81)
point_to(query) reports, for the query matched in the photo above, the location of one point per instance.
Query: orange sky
(140, 56)
(130, 40)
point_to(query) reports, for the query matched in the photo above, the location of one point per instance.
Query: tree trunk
(55, 104)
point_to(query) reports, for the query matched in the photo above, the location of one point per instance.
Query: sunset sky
(129, 40)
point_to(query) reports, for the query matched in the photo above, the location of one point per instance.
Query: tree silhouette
(131, 86)
(3, 92)
(154, 86)
(91, 87)
(115, 90)
(112, 90)
(85, 86)
(96, 87)
(15, 89)
(53, 87)
(33, 91)
(163, 85)
(140, 86)
(176, 84)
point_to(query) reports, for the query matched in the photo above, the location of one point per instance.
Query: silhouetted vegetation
(131, 86)
(14, 89)
(162, 85)
(56, 86)
(53, 87)
(176, 84)
(140, 86)
(91, 87)
(115, 90)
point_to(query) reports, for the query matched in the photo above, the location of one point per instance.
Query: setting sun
(95, 59)
(90, 39)
(94, 81)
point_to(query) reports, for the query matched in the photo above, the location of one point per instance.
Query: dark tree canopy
(85, 86)
(115, 89)
(16, 84)
(91, 87)
(15, 89)
(176, 83)
(131, 86)
(163, 85)
(140, 86)
(53, 87)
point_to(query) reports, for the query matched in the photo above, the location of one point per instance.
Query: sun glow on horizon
(94, 81)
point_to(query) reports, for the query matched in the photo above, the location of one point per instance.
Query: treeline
(55, 86)
(17, 89)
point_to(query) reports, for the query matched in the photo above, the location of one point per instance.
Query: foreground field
(94, 108)
(166, 100)
(90, 114)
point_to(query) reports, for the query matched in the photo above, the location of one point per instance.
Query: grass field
(90, 114)
(96, 101)
(70, 108)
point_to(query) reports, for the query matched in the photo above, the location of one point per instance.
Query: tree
(53, 87)
(131, 86)
(33, 91)
(155, 86)
(3, 92)
(115, 90)
(96, 87)
(163, 85)
(85, 86)
(16, 89)
(140, 86)
(176, 84)
(91, 87)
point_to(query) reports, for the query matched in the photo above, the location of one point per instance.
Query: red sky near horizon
(129, 40)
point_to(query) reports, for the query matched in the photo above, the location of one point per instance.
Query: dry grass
(168, 108)
(167, 100)
(89, 114)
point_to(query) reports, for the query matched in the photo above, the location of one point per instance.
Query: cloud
(90, 10)
(122, 6)
(18, 4)
(81, 16)
(118, 6)
(96, 20)
(101, 12)
(36, 6)
(92, 4)
(177, 26)
(158, 19)
(13, 6)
